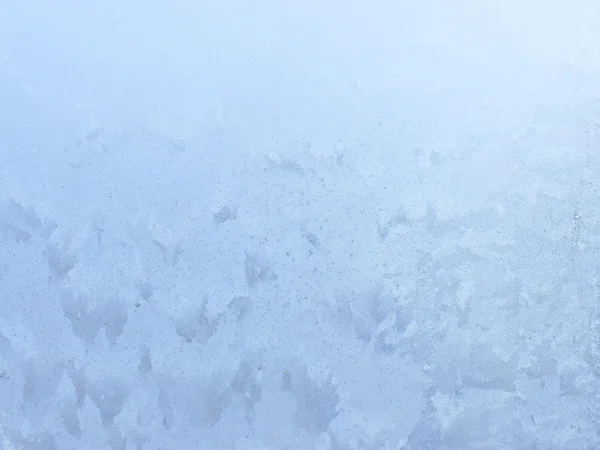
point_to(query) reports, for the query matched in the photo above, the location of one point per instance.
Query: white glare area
(332, 225)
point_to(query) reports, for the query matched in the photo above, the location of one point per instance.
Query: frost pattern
(300, 226)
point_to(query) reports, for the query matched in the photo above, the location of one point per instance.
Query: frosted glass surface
(331, 225)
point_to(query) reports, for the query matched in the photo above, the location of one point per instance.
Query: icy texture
(296, 225)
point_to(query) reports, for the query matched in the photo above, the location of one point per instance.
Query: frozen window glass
(299, 225)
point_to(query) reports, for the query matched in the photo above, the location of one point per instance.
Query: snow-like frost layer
(325, 240)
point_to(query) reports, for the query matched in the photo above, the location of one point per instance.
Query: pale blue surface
(358, 225)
